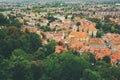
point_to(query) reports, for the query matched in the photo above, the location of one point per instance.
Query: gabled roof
(96, 41)
(79, 34)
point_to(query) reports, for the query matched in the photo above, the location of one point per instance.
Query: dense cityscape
(60, 40)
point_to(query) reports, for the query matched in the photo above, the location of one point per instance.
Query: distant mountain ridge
(61, 0)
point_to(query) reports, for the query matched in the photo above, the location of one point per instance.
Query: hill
(61, 0)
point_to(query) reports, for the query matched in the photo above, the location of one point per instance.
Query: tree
(66, 16)
(73, 64)
(11, 38)
(46, 28)
(104, 69)
(114, 72)
(52, 67)
(45, 51)
(94, 12)
(13, 32)
(90, 75)
(60, 67)
(99, 34)
(72, 18)
(8, 45)
(78, 24)
(51, 18)
(99, 25)
(22, 67)
(16, 23)
(3, 20)
(40, 54)
(92, 58)
(2, 9)
(3, 33)
(113, 29)
(37, 69)
(106, 59)
(30, 42)
(35, 42)
(1, 58)
(18, 67)
(99, 22)
(50, 47)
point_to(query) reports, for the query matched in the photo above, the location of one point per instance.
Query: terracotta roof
(100, 53)
(31, 29)
(97, 41)
(60, 49)
(78, 34)
(115, 57)
(91, 28)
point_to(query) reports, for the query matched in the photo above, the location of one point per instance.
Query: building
(30, 29)
(96, 43)
(80, 36)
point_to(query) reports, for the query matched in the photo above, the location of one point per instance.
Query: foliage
(78, 24)
(23, 57)
(105, 25)
(51, 18)
(11, 38)
(3, 20)
(60, 67)
(17, 67)
(46, 28)
(106, 59)
(9, 21)
(91, 75)
(99, 33)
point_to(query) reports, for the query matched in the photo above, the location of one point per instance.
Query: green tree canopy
(78, 24)
(90, 75)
